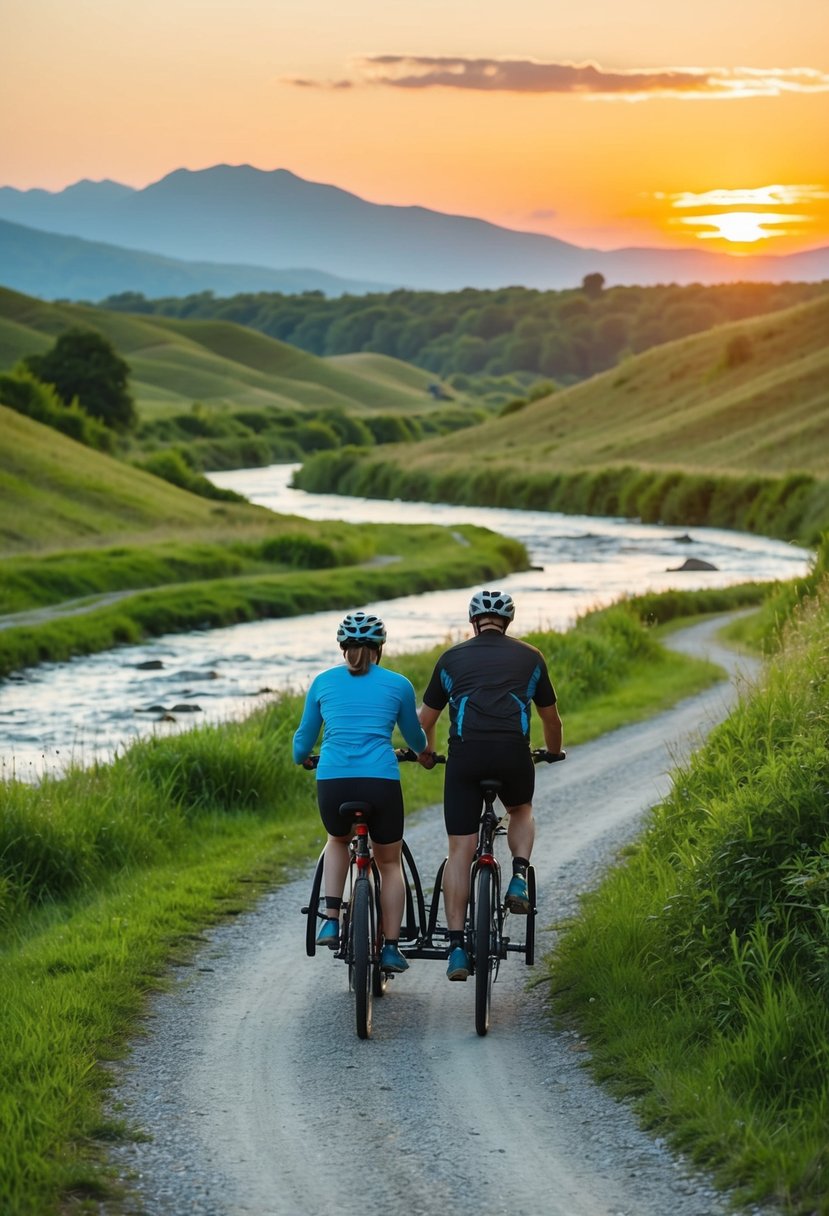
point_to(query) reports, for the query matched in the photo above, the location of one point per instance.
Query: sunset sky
(602, 122)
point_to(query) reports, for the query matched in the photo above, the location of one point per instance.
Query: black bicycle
(361, 923)
(486, 941)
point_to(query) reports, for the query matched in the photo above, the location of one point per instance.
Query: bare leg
(521, 830)
(392, 886)
(334, 870)
(456, 879)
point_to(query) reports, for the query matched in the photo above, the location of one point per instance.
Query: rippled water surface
(87, 708)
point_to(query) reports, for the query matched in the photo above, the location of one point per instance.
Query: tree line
(473, 337)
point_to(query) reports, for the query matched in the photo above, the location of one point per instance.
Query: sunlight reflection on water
(86, 709)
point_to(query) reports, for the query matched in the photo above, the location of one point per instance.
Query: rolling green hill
(56, 493)
(749, 397)
(175, 362)
(728, 427)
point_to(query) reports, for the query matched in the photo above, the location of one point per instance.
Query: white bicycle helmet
(491, 603)
(361, 629)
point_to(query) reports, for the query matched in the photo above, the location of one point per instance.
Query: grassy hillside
(56, 493)
(695, 431)
(77, 523)
(175, 362)
(681, 405)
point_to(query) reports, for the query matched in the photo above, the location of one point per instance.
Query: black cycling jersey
(488, 682)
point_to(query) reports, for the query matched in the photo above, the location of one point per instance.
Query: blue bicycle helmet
(492, 603)
(361, 629)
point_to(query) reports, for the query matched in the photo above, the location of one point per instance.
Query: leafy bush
(21, 391)
(170, 465)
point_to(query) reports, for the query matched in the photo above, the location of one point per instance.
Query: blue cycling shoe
(392, 960)
(329, 934)
(517, 898)
(459, 964)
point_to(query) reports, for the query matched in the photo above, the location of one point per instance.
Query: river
(89, 708)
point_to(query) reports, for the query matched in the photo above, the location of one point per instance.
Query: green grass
(677, 434)
(108, 875)
(698, 971)
(461, 555)
(175, 362)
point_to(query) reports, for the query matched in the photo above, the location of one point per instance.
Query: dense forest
(479, 340)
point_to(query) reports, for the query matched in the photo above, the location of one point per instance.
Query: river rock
(692, 563)
(150, 665)
(184, 708)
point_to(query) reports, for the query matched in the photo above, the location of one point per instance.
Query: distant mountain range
(227, 227)
(56, 267)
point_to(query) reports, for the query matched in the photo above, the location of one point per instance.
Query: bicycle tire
(379, 977)
(484, 948)
(529, 947)
(313, 911)
(361, 929)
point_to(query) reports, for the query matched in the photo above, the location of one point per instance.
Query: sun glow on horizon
(749, 215)
(742, 227)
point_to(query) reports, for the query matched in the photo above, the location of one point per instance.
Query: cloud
(757, 196)
(585, 79)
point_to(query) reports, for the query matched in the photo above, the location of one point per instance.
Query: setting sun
(741, 227)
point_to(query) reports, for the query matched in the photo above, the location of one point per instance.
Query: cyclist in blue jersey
(490, 683)
(359, 704)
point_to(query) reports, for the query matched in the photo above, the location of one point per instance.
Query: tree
(592, 285)
(83, 365)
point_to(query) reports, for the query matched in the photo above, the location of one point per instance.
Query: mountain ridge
(275, 219)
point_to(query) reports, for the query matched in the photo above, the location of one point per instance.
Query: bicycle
(361, 923)
(486, 943)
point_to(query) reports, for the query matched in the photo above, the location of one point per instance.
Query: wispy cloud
(757, 196)
(588, 80)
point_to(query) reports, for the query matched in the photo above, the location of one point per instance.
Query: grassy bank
(791, 507)
(109, 874)
(698, 970)
(421, 558)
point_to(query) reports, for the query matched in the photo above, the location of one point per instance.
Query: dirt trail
(260, 1099)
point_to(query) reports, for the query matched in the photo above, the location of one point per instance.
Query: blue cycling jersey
(359, 714)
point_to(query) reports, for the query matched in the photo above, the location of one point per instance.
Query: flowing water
(90, 707)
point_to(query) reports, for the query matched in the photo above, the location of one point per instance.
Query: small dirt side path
(258, 1098)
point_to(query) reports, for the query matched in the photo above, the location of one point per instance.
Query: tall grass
(700, 967)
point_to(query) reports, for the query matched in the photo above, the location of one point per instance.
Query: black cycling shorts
(385, 822)
(471, 762)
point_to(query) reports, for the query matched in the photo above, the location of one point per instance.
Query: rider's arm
(552, 726)
(428, 720)
(409, 722)
(308, 729)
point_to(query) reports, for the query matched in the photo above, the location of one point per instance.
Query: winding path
(258, 1096)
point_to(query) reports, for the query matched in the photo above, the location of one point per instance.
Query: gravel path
(256, 1094)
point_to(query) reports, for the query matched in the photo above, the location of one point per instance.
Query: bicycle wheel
(485, 947)
(312, 913)
(529, 948)
(379, 978)
(361, 929)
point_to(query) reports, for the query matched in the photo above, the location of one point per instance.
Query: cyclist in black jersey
(490, 683)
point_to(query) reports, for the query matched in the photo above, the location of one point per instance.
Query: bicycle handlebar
(403, 754)
(542, 756)
(406, 753)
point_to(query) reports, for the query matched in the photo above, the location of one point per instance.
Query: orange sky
(606, 124)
